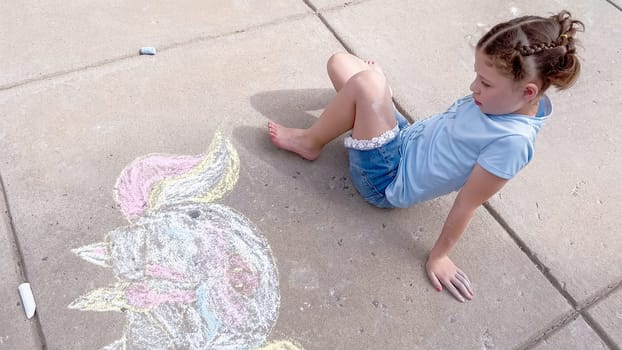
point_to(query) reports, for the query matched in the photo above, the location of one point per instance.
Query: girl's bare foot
(293, 140)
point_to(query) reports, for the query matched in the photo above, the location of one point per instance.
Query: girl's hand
(443, 272)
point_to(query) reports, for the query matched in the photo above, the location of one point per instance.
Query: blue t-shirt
(439, 153)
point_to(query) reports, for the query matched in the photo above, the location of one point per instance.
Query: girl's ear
(530, 91)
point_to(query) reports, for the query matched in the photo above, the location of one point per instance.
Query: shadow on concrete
(328, 176)
(290, 107)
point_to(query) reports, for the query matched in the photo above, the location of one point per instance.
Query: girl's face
(496, 93)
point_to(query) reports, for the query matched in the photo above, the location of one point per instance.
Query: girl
(476, 146)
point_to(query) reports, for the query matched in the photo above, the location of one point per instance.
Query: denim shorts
(373, 170)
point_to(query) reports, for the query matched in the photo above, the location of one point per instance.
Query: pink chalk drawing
(191, 274)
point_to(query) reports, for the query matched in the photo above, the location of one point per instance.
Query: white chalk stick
(28, 300)
(147, 50)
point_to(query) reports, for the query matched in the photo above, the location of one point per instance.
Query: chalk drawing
(191, 274)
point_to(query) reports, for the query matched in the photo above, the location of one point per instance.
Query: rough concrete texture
(608, 315)
(349, 273)
(85, 128)
(39, 38)
(569, 220)
(351, 276)
(16, 331)
(566, 220)
(577, 335)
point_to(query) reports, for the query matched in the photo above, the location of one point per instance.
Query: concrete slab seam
(598, 329)
(578, 308)
(403, 112)
(531, 255)
(555, 326)
(160, 49)
(320, 15)
(251, 28)
(12, 236)
(614, 5)
(18, 257)
(336, 7)
(347, 48)
(563, 321)
(310, 5)
(53, 75)
(599, 295)
(332, 30)
(540, 336)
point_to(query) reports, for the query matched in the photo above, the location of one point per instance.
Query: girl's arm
(480, 186)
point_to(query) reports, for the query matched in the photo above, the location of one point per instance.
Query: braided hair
(536, 47)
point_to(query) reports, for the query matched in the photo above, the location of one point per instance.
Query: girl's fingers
(435, 282)
(464, 291)
(452, 289)
(465, 282)
(464, 276)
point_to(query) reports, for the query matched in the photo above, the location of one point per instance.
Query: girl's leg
(342, 66)
(362, 104)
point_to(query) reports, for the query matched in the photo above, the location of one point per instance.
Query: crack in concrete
(18, 258)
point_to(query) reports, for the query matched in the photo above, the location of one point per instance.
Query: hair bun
(568, 27)
(536, 47)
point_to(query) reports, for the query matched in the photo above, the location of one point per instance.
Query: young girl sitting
(475, 147)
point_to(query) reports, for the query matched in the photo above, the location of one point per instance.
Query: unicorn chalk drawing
(191, 274)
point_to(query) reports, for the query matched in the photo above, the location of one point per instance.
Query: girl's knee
(337, 61)
(369, 83)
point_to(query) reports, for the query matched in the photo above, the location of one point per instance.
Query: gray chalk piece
(147, 50)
